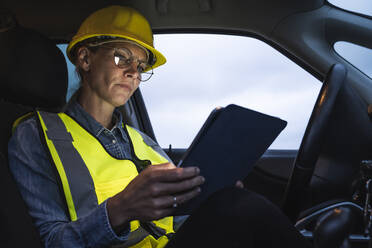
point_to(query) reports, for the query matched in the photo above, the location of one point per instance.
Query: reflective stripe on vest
(90, 175)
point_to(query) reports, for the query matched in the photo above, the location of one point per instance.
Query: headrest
(33, 71)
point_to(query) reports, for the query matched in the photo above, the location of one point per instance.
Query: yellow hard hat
(117, 22)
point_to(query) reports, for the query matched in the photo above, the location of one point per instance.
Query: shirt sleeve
(36, 179)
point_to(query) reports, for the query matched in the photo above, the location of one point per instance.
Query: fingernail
(197, 170)
(198, 189)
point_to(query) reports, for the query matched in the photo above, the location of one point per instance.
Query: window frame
(349, 62)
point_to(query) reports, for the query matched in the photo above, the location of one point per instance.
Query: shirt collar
(76, 111)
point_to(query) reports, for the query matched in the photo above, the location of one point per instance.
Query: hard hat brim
(160, 58)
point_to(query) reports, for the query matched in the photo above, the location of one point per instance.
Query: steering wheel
(312, 140)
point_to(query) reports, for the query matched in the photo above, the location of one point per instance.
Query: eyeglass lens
(123, 59)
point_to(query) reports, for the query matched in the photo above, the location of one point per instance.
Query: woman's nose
(132, 71)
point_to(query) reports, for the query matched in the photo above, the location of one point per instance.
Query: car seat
(33, 74)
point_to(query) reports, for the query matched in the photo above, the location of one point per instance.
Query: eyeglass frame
(148, 70)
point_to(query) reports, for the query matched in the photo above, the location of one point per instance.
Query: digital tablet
(226, 148)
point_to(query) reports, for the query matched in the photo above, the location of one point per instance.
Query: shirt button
(113, 141)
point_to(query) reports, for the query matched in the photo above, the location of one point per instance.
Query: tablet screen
(226, 148)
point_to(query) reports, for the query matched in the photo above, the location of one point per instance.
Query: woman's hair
(89, 44)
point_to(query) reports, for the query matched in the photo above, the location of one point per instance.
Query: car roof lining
(258, 16)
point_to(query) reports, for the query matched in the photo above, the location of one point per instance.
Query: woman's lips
(125, 86)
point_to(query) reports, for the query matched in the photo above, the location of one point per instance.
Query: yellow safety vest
(90, 175)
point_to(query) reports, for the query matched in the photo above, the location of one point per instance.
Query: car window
(204, 71)
(359, 6)
(358, 56)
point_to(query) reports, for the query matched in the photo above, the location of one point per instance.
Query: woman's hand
(153, 194)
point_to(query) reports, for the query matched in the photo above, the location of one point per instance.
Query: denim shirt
(36, 180)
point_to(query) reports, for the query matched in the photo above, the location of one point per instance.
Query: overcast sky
(205, 71)
(360, 6)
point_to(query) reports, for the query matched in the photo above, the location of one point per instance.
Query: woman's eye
(126, 61)
(121, 55)
(122, 60)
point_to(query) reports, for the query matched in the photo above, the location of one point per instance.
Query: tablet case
(226, 148)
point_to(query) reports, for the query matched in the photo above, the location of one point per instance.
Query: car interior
(323, 186)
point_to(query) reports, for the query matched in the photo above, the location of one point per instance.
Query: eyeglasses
(123, 59)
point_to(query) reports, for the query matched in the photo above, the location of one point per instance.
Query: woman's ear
(83, 58)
